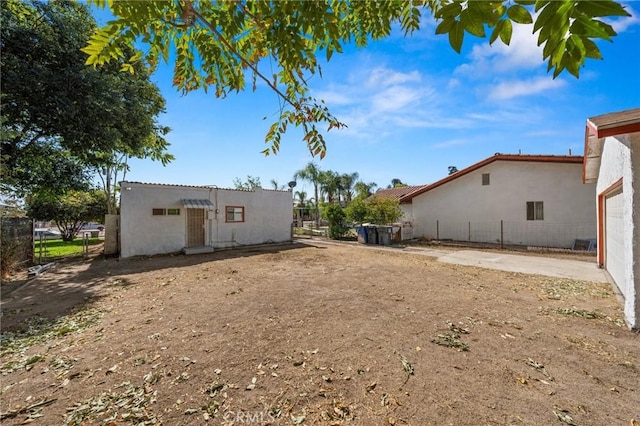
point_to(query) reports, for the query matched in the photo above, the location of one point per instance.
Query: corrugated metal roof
(196, 203)
(174, 185)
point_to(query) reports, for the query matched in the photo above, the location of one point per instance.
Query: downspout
(209, 226)
(216, 211)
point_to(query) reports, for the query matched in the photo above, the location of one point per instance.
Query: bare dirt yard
(324, 334)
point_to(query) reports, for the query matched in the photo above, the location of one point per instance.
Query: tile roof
(399, 192)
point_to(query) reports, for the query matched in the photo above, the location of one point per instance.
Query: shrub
(335, 215)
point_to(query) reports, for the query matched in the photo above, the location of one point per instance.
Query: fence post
(85, 244)
(438, 230)
(469, 230)
(501, 234)
(42, 249)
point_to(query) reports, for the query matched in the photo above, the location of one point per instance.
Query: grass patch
(59, 248)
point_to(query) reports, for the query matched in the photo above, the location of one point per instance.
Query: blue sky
(413, 107)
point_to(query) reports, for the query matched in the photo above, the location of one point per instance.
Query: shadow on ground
(77, 282)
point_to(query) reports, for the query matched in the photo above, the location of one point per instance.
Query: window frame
(173, 212)
(158, 212)
(535, 210)
(227, 211)
(487, 181)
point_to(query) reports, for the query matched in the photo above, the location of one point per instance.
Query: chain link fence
(535, 234)
(16, 243)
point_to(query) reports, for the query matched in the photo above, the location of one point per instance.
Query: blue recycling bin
(362, 234)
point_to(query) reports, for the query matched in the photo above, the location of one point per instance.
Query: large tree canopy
(223, 44)
(70, 211)
(60, 118)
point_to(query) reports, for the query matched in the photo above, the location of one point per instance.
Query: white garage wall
(617, 160)
(268, 217)
(569, 210)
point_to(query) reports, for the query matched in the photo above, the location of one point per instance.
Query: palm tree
(301, 198)
(329, 185)
(364, 190)
(276, 186)
(311, 173)
(347, 182)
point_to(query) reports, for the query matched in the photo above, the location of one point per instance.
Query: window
(535, 210)
(234, 214)
(163, 212)
(485, 179)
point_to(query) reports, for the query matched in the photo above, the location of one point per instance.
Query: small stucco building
(160, 218)
(524, 200)
(612, 161)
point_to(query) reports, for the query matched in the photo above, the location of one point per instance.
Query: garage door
(614, 243)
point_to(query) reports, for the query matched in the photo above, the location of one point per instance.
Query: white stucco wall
(569, 211)
(619, 156)
(407, 212)
(268, 217)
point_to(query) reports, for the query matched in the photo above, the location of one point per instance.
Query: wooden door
(195, 227)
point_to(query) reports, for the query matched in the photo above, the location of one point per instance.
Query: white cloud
(384, 77)
(512, 89)
(395, 98)
(451, 143)
(523, 52)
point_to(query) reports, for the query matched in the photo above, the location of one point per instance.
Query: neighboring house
(527, 200)
(612, 161)
(400, 193)
(159, 218)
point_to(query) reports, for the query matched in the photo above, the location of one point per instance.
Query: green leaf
(601, 8)
(445, 26)
(505, 32)
(525, 2)
(472, 23)
(546, 15)
(592, 50)
(496, 31)
(451, 10)
(592, 28)
(456, 36)
(519, 14)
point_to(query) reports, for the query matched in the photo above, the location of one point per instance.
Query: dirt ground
(324, 334)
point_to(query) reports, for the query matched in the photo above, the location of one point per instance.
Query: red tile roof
(497, 157)
(399, 192)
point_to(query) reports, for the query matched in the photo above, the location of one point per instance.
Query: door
(613, 237)
(195, 227)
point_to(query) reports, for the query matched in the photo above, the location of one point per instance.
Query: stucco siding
(267, 217)
(617, 162)
(407, 212)
(464, 207)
